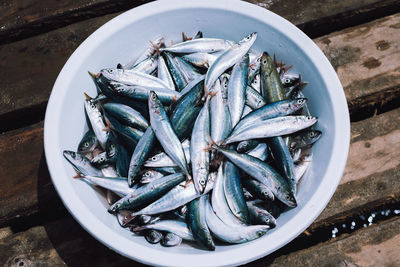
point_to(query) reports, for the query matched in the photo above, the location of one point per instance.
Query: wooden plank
(377, 245)
(33, 64)
(366, 59)
(57, 243)
(371, 175)
(26, 188)
(22, 19)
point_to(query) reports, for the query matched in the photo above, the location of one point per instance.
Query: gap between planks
(22, 19)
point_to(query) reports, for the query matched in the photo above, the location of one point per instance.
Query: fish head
(88, 144)
(309, 120)
(72, 156)
(296, 104)
(150, 175)
(290, 80)
(112, 73)
(267, 219)
(100, 159)
(287, 198)
(267, 63)
(249, 39)
(154, 102)
(313, 135)
(243, 147)
(111, 145)
(261, 230)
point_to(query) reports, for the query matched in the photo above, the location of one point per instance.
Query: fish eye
(265, 62)
(86, 144)
(267, 220)
(153, 96)
(202, 182)
(287, 80)
(309, 117)
(154, 158)
(300, 101)
(111, 70)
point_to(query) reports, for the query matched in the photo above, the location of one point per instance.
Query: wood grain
(377, 245)
(366, 59)
(21, 19)
(57, 243)
(24, 18)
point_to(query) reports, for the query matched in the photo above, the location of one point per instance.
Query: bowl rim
(237, 255)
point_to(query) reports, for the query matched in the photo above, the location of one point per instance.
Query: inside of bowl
(129, 41)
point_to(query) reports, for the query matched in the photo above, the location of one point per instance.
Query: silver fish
(219, 203)
(219, 111)
(301, 167)
(177, 227)
(229, 58)
(147, 65)
(81, 164)
(199, 142)
(165, 134)
(96, 120)
(163, 73)
(273, 110)
(142, 93)
(263, 173)
(260, 151)
(163, 160)
(272, 127)
(202, 45)
(149, 176)
(126, 115)
(232, 234)
(201, 60)
(135, 78)
(116, 184)
(237, 89)
(171, 240)
(176, 197)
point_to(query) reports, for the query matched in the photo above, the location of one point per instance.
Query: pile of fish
(204, 139)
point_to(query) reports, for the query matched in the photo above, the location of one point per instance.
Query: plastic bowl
(126, 36)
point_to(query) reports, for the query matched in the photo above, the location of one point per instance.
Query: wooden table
(360, 38)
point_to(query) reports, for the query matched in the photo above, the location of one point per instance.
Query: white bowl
(126, 36)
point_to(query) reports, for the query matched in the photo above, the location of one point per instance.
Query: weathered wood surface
(31, 66)
(25, 18)
(376, 245)
(22, 19)
(366, 59)
(25, 183)
(58, 243)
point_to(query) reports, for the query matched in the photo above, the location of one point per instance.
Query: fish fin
(78, 176)
(119, 66)
(185, 37)
(94, 75)
(188, 181)
(128, 218)
(156, 47)
(87, 96)
(108, 125)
